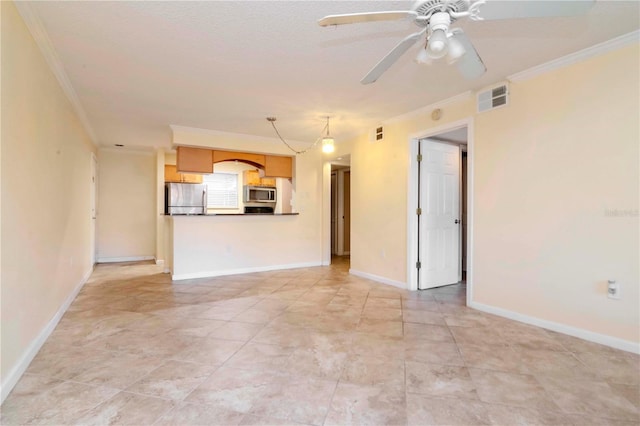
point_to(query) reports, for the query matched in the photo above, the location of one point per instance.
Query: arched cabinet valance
(256, 160)
(201, 160)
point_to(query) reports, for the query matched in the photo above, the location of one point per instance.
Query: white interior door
(440, 216)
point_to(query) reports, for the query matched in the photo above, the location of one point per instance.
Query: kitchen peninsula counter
(199, 246)
(234, 214)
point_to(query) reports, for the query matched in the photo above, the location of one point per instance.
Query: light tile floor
(309, 346)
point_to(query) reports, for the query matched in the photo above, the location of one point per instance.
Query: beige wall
(126, 205)
(547, 168)
(45, 181)
(379, 178)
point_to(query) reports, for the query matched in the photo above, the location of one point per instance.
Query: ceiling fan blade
(354, 18)
(392, 57)
(500, 9)
(470, 64)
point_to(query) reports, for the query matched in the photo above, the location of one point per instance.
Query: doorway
(93, 185)
(440, 214)
(340, 209)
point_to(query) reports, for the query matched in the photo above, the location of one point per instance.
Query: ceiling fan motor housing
(429, 8)
(440, 21)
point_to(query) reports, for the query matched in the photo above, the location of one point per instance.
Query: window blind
(222, 190)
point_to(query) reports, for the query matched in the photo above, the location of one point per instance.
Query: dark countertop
(235, 214)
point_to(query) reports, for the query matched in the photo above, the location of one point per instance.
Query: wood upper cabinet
(256, 159)
(200, 160)
(171, 174)
(267, 181)
(191, 178)
(194, 160)
(251, 177)
(277, 166)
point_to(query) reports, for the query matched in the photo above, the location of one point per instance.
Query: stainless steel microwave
(259, 194)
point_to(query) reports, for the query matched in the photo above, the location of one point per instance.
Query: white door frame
(412, 202)
(94, 209)
(326, 205)
(340, 213)
(334, 212)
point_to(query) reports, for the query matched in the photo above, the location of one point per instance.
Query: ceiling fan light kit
(423, 57)
(436, 16)
(438, 44)
(456, 50)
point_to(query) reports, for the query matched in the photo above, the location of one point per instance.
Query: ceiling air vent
(493, 98)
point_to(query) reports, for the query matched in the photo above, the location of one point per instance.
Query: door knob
(456, 221)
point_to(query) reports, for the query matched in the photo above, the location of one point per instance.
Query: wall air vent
(493, 98)
(377, 134)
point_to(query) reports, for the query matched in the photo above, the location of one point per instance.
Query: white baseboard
(222, 272)
(379, 279)
(21, 366)
(591, 336)
(124, 259)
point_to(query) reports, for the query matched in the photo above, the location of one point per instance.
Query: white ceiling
(138, 67)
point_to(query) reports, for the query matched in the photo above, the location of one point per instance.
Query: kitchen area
(227, 212)
(215, 182)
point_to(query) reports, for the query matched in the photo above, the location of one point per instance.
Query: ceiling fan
(436, 16)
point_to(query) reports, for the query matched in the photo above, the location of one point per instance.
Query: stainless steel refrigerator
(185, 198)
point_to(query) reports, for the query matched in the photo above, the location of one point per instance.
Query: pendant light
(328, 143)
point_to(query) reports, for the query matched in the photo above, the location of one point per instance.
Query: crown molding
(39, 34)
(581, 55)
(427, 109)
